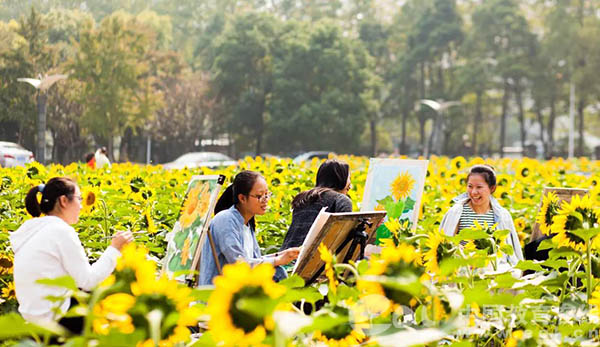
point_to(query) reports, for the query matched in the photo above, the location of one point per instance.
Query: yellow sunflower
(90, 199)
(458, 163)
(143, 294)
(353, 338)
(8, 292)
(402, 185)
(6, 264)
(232, 325)
(403, 260)
(550, 206)
(566, 221)
(595, 302)
(524, 170)
(111, 313)
(329, 260)
(434, 254)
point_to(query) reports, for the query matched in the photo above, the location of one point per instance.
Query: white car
(13, 154)
(201, 159)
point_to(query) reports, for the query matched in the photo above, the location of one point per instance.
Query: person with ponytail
(233, 229)
(47, 246)
(333, 183)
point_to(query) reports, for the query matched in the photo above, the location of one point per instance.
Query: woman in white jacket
(48, 247)
(479, 204)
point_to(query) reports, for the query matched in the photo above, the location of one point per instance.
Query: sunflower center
(550, 212)
(148, 302)
(5, 263)
(339, 331)
(241, 318)
(572, 224)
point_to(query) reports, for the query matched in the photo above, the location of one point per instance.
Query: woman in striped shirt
(478, 204)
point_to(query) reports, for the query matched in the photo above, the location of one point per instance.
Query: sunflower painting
(395, 185)
(194, 217)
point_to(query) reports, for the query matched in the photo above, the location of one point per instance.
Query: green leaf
(63, 282)
(293, 281)
(309, 294)
(586, 234)
(256, 306)
(202, 293)
(471, 234)
(409, 204)
(529, 265)
(394, 209)
(325, 322)
(556, 263)
(12, 326)
(507, 249)
(545, 244)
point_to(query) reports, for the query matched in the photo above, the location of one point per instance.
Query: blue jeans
(280, 274)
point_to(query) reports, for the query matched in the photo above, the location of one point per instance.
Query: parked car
(12, 154)
(310, 155)
(200, 159)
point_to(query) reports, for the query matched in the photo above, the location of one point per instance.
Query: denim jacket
(226, 229)
(501, 216)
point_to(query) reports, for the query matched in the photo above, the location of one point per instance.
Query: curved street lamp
(42, 85)
(440, 107)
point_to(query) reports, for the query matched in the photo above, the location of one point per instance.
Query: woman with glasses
(48, 247)
(233, 228)
(333, 183)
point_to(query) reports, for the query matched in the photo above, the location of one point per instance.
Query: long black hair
(242, 184)
(332, 175)
(51, 191)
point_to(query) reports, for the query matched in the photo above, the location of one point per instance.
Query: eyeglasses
(263, 197)
(78, 197)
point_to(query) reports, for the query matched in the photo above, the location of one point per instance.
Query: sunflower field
(424, 288)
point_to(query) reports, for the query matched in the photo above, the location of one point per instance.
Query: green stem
(588, 272)
(105, 217)
(347, 267)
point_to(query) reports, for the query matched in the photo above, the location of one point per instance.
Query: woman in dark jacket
(333, 183)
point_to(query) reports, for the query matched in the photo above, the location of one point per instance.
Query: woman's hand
(121, 238)
(285, 257)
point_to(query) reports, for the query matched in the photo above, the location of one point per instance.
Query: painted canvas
(395, 186)
(194, 218)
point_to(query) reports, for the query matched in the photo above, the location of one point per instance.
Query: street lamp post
(42, 85)
(440, 107)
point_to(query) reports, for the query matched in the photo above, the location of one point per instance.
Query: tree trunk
(477, 120)
(519, 97)
(405, 111)
(550, 149)
(422, 118)
(373, 126)
(503, 116)
(540, 119)
(110, 148)
(580, 115)
(260, 126)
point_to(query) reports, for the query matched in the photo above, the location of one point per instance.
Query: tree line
(285, 76)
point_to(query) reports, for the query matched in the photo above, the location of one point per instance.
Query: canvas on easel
(190, 229)
(334, 230)
(395, 185)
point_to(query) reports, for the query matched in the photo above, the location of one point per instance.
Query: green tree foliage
(116, 90)
(323, 90)
(283, 76)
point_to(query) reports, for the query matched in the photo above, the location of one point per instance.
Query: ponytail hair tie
(41, 188)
